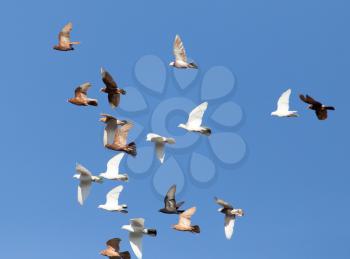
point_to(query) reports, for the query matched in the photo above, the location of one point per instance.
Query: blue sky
(293, 182)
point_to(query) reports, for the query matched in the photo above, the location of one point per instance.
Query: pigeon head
(239, 212)
(101, 206)
(181, 125)
(103, 89)
(172, 64)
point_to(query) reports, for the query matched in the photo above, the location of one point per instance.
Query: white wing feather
(283, 101)
(136, 243)
(160, 151)
(113, 196)
(82, 170)
(113, 166)
(83, 191)
(196, 115)
(229, 225)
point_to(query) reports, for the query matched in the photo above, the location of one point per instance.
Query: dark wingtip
(196, 229)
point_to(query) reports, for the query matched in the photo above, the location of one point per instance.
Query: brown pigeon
(120, 137)
(111, 89)
(319, 108)
(81, 98)
(112, 250)
(185, 222)
(112, 124)
(64, 43)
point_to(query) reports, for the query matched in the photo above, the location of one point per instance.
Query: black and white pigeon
(230, 216)
(320, 109)
(170, 205)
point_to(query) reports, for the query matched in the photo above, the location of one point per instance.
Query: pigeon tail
(192, 65)
(329, 108)
(151, 232)
(131, 149)
(125, 255)
(124, 178)
(206, 131)
(92, 102)
(196, 229)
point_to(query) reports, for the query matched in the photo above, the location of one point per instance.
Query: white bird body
(160, 142)
(136, 231)
(194, 122)
(112, 172)
(283, 106)
(112, 203)
(85, 180)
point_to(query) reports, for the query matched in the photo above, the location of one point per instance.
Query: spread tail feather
(151, 232)
(93, 102)
(206, 131)
(193, 65)
(196, 229)
(132, 149)
(125, 255)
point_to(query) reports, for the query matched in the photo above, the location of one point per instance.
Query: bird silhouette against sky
(170, 205)
(283, 106)
(112, 201)
(64, 43)
(80, 96)
(160, 144)
(180, 55)
(320, 109)
(184, 223)
(111, 89)
(113, 248)
(120, 138)
(194, 122)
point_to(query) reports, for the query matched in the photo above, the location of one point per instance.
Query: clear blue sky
(293, 183)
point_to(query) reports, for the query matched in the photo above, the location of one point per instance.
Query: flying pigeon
(86, 178)
(230, 216)
(119, 142)
(113, 248)
(112, 124)
(111, 89)
(81, 98)
(283, 106)
(64, 43)
(194, 121)
(170, 205)
(180, 55)
(112, 201)
(136, 231)
(112, 172)
(319, 108)
(185, 222)
(160, 143)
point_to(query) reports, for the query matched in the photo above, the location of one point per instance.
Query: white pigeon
(112, 172)
(112, 201)
(180, 55)
(136, 231)
(86, 178)
(283, 106)
(160, 143)
(194, 122)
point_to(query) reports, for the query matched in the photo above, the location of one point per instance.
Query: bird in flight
(320, 109)
(283, 106)
(112, 203)
(80, 96)
(112, 172)
(170, 205)
(194, 122)
(64, 43)
(136, 231)
(180, 55)
(160, 143)
(85, 180)
(112, 124)
(184, 223)
(111, 89)
(230, 216)
(119, 142)
(113, 248)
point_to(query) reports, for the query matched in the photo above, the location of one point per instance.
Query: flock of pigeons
(115, 138)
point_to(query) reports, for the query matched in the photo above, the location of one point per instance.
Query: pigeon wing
(113, 195)
(160, 151)
(64, 35)
(83, 191)
(121, 134)
(136, 243)
(321, 114)
(179, 49)
(308, 99)
(114, 243)
(113, 165)
(113, 100)
(108, 79)
(229, 225)
(196, 115)
(138, 223)
(109, 132)
(82, 170)
(153, 137)
(169, 199)
(223, 203)
(185, 217)
(283, 101)
(81, 90)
